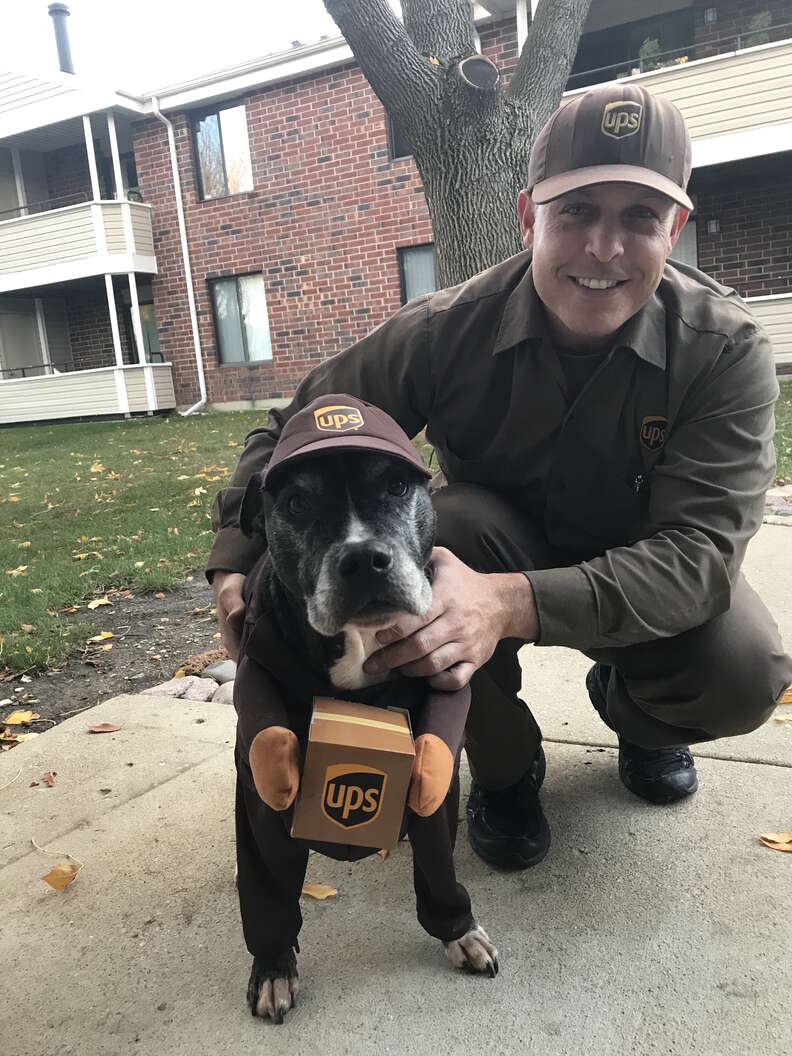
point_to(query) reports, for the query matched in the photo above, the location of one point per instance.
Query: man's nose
(364, 563)
(604, 242)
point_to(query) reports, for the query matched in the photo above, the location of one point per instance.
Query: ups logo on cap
(338, 419)
(622, 118)
(653, 430)
(352, 795)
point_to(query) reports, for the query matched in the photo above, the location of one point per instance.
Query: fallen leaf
(24, 546)
(107, 648)
(60, 876)
(49, 777)
(18, 718)
(101, 637)
(319, 891)
(20, 570)
(99, 601)
(28, 628)
(784, 718)
(384, 854)
(787, 697)
(104, 727)
(180, 673)
(777, 841)
(97, 467)
(13, 498)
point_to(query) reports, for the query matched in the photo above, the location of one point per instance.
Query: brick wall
(734, 17)
(751, 199)
(89, 329)
(328, 211)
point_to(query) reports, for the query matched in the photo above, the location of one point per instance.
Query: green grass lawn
(90, 506)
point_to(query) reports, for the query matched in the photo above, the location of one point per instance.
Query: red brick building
(305, 225)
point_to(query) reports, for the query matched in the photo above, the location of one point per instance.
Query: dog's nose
(359, 561)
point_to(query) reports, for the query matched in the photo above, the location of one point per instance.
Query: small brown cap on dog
(342, 423)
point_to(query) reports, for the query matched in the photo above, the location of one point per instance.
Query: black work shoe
(661, 775)
(508, 828)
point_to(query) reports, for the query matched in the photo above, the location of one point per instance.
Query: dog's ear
(251, 512)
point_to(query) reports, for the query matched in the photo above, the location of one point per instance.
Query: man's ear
(526, 212)
(251, 519)
(679, 222)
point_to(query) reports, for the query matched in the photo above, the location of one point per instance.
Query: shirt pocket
(494, 471)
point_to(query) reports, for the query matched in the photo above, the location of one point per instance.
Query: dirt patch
(153, 634)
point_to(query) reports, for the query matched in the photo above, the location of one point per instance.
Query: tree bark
(471, 145)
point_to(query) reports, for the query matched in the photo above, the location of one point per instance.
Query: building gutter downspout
(185, 256)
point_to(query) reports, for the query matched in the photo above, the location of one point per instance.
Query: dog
(349, 526)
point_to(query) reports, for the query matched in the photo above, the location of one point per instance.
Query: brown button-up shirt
(652, 479)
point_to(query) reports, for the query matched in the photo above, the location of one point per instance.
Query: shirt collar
(523, 319)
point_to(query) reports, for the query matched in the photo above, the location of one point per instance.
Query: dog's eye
(297, 504)
(398, 487)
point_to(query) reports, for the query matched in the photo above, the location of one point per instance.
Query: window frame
(247, 361)
(196, 116)
(400, 251)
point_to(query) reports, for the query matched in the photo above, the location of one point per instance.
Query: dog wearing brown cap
(344, 505)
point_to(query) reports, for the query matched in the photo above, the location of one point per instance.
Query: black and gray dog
(349, 527)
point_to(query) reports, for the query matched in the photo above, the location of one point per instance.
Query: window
(686, 248)
(223, 152)
(417, 271)
(241, 321)
(148, 326)
(397, 144)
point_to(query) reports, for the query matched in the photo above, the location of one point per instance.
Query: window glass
(236, 150)
(254, 316)
(229, 330)
(399, 147)
(210, 157)
(686, 248)
(418, 271)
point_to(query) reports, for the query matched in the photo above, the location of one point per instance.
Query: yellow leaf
(101, 637)
(17, 718)
(99, 601)
(13, 498)
(787, 697)
(107, 648)
(20, 570)
(24, 546)
(139, 564)
(180, 673)
(134, 451)
(36, 590)
(97, 467)
(61, 875)
(777, 841)
(194, 502)
(199, 491)
(784, 718)
(319, 891)
(28, 628)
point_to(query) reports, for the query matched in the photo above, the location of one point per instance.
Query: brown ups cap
(343, 423)
(615, 134)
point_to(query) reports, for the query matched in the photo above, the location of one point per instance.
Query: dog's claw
(474, 952)
(272, 992)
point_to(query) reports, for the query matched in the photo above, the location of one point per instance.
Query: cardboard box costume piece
(358, 767)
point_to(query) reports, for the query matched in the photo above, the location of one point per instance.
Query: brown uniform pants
(717, 680)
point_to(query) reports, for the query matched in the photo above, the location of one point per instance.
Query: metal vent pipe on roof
(59, 13)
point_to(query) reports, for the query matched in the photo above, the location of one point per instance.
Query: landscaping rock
(778, 505)
(191, 687)
(224, 694)
(222, 671)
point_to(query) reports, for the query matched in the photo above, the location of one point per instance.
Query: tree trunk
(471, 144)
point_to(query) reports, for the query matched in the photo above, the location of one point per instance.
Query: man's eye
(297, 504)
(575, 210)
(644, 213)
(398, 487)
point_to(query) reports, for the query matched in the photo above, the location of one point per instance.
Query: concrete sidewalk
(646, 930)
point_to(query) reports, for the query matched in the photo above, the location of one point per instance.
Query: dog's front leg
(272, 990)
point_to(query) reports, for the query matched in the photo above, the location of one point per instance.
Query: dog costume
(273, 695)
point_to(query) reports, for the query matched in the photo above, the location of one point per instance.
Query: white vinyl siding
(775, 315)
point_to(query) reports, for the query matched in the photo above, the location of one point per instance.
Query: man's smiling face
(598, 256)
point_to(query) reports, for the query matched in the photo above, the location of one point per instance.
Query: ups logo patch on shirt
(653, 431)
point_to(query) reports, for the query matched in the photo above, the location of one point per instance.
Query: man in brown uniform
(604, 422)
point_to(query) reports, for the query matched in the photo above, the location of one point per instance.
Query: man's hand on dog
(227, 590)
(469, 615)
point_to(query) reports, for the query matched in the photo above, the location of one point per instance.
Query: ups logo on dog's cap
(653, 430)
(622, 118)
(338, 419)
(352, 795)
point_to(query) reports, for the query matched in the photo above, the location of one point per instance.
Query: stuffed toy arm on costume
(439, 731)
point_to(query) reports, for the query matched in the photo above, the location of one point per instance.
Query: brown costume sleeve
(264, 736)
(439, 732)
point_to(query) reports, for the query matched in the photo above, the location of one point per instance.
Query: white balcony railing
(90, 238)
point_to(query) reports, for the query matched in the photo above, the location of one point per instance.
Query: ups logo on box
(338, 419)
(352, 795)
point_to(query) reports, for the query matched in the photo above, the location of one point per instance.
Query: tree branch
(442, 28)
(547, 56)
(401, 78)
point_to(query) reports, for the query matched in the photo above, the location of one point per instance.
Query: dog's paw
(272, 991)
(474, 952)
